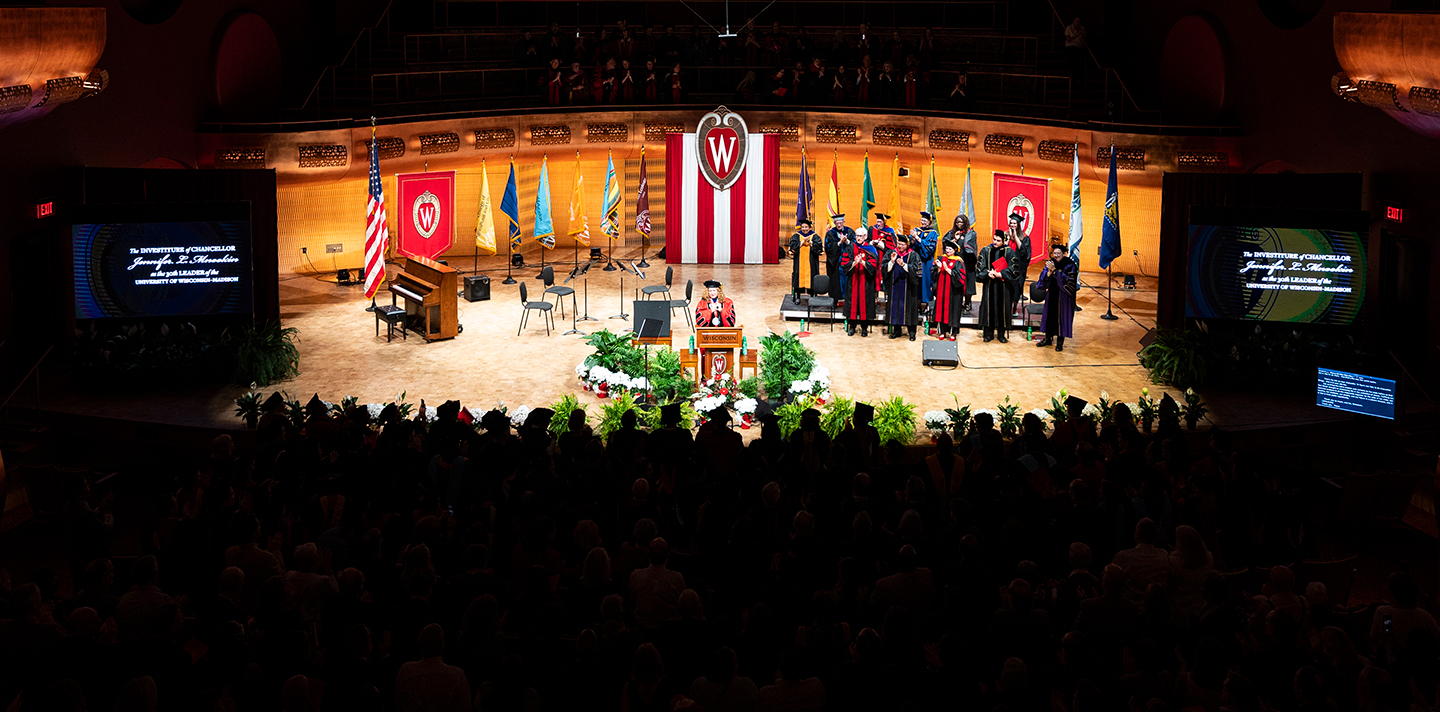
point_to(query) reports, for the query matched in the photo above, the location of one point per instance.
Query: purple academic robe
(1060, 284)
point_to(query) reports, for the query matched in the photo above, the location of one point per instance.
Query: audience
(327, 569)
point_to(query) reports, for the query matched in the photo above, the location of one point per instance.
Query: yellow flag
(579, 224)
(896, 221)
(485, 221)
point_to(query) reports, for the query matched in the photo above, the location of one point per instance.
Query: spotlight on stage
(1129, 281)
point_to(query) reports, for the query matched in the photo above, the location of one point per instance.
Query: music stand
(648, 329)
(574, 313)
(583, 275)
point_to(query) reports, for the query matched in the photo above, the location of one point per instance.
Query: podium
(718, 350)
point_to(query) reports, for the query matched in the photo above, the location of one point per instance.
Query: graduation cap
(864, 413)
(1168, 404)
(950, 244)
(999, 233)
(358, 414)
(711, 284)
(838, 216)
(902, 237)
(881, 216)
(720, 414)
(1074, 405)
(448, 410)
(1017, 217)
(805, 221)
(495, 421)
(315, 406)
(670, 414)
(274, 401)
(926, 214)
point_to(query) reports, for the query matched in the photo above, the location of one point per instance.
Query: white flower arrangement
(937, 420)
(581, 370)
(475, 414)
(518, 417)
(639, 383)
(1091, 412)
(801, 387)
(431, 415)
(745, 406)
(374, 409)
(705, 405)
(820, 375)
(328, 405)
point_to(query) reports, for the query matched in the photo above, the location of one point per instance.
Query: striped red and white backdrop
(708, 226)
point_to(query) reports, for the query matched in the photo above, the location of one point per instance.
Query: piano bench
(392, 315)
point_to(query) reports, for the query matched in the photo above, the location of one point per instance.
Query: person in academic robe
(860, 264)
(1020, 243)
(925, 240)
(882, 232)
(948, 273)
(714, 309)
(1059, 280)
(876, 249)
(606, 82)
(963, 236)
(863, 76)
(806, 249)
(674, 88)
(885, 92)
(555, 84)
(626, 82)
(996, 266)
(837, 240)
(652, 83)
(578, 84)
(903, 271)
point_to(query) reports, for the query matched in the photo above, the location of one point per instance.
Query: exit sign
(45, 209)
(1394, 213)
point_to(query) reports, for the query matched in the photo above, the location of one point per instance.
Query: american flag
(642, 201)
(377, 232)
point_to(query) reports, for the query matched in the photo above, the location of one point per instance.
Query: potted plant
(895, 421)
(247, 406)
(1057, 410)
(1008, 418)
(959, 418)
(1146, 406)
(746, 408)
(1193, 410)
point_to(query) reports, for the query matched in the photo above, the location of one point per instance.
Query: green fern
(895, 421)
(560, 422)
(266, 354)
(836, 415)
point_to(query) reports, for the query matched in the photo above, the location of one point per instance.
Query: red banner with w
(425, 213)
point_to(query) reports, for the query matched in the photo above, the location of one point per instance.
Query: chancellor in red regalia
(715, 309)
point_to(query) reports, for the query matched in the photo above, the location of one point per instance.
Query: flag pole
(577, 241)
(509, 243)
(374, 148)
(543, 250)
(1109, 314)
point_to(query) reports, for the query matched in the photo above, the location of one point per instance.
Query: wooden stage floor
(489, 363)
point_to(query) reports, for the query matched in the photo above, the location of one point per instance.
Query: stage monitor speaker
(1148, 338)
(657, 309)
(477, 288)
(343, 277)
(940, 353)
(517, 259)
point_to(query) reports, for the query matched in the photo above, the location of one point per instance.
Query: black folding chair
(664, 289)
(529, 306)
(685, 303)
(547, 275)
(820, 297)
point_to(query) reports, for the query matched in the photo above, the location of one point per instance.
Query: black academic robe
(995, 293)
(817, 249)
(860, 268)
(837, 242)
(950, 286)
(902, 287)
(1017, 281)
(967, 248)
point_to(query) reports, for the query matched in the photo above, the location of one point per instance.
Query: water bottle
(1029, 333)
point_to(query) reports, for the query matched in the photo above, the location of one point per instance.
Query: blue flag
(967, 201)
(1077, 227)
(1110, 232)
(805, 194)
(510, 208)
(544, 227)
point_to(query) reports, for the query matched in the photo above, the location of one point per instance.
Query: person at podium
(715, 309)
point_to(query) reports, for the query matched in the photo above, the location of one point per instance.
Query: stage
(340, 354)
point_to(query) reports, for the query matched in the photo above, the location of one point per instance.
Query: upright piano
(430, 291)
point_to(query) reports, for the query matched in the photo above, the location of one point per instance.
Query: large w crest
(721, 140)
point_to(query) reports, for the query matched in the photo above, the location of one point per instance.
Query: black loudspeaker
(343, 277)
(940, 353)
(477, 288)
(1148, 338)
(517, 260)
(657, 309)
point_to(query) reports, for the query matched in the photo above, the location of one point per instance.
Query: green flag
(867, 195)
(932, 193)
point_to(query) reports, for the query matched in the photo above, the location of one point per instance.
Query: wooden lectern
(719, 350)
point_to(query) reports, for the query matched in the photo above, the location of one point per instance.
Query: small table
(392, 315)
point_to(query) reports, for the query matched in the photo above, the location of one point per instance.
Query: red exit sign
(45, 209)
(1394, 213)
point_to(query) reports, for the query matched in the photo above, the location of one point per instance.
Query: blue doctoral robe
(925, 247)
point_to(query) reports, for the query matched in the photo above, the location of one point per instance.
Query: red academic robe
(860, 268)
(555, 87)
(949, 290)
(627, 86)
(652, 88)
(706, 313)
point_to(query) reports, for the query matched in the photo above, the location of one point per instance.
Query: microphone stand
(574, 312)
